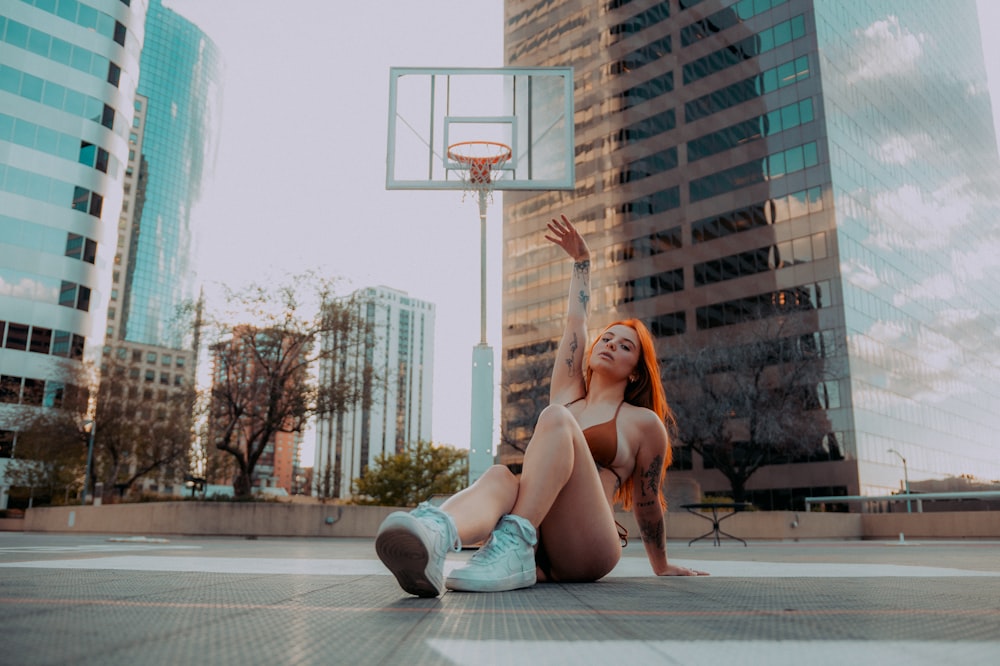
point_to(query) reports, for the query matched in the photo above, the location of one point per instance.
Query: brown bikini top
(602, 439)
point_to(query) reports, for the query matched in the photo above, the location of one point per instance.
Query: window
(10, 389)
(96, 204)
(41, 340)
(60, 345)
(88, 151)
(744, 49)
(76, 348)
(17, 336)
(119, 35)
(114, 74)
(7, 443)
(668, 324)
(34, 391)
(81, 199)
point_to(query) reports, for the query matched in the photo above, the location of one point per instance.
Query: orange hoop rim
(480, 161)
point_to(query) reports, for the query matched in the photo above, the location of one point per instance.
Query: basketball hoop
(483, 161)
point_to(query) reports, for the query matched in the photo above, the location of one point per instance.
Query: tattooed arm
(646, 507)
(567, 373)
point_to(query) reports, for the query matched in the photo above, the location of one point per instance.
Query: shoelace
(500, 542)
(441, 524)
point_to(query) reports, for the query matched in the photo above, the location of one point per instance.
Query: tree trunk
(241, 486)
(739, 489)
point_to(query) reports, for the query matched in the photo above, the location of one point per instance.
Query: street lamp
(906, 478)
(90, 457)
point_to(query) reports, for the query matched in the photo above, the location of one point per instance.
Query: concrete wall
(317, 520)
(938, 525)
(210, 519)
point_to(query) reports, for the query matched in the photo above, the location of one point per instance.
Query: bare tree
(265, 349)
(754, 398)
(142, 432)
(49, 456)
(526, 393)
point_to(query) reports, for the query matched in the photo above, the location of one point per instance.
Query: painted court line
(627, 568)
(713, 653)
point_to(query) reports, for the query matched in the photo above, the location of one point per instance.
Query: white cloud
(886, 48)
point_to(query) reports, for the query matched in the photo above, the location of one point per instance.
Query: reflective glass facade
(68, 74)
(180, 79)
(829, 163)
(916, 188)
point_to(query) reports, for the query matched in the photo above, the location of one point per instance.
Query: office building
(832, 164)
(106, 132)
(394, 370)
(68, 77)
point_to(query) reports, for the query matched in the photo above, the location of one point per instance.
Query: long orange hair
(646, 391)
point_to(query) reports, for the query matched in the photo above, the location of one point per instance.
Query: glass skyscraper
(181, 72)
(832, 164)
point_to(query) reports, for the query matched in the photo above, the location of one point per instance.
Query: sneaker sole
(514, 582)
(404, 554)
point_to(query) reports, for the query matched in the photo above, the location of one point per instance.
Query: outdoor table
(716, 532)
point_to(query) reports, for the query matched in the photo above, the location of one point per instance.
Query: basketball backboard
(529, 109)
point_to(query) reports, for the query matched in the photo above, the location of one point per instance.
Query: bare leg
(477, 509)
(561, 493)
(548, 463)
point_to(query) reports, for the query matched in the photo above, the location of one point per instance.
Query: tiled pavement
(103, 600)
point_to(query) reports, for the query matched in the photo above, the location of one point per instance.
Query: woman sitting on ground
(601, 441)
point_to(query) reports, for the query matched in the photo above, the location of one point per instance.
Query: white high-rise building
(68, 77)
(394, 370)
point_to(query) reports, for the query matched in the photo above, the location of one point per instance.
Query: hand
(565, 235)
(677, 570)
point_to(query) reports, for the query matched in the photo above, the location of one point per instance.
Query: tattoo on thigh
(651, 477)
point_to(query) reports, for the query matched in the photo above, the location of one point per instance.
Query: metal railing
(917, 498)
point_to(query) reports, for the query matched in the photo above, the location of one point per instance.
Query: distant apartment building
(394, 370)
(829, 163)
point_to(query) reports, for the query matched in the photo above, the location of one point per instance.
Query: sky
(299, 178)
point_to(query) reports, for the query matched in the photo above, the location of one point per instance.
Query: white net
(481, 164)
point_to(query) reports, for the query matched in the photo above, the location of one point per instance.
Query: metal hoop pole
(482, 266)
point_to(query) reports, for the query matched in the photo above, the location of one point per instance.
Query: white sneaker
(413, 545)
(506, 562)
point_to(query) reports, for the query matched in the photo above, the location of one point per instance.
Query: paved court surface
(105, 600)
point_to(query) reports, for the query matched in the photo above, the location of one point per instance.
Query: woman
(556, 521)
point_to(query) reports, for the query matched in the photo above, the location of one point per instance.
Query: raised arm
(646, 506)
(567, 372)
